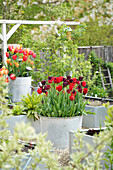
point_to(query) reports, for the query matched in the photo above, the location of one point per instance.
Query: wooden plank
(14, 45)
(101, 77)
(4, 43)
(39, 22)
(110, 77)
(13, 29)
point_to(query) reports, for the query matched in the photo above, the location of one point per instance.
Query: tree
(57, 9)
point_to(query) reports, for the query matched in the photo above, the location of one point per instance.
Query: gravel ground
(64, 156)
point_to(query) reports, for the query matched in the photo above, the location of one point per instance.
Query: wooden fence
(100, 51)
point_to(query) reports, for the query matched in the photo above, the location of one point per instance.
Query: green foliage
(30, 104)
(12, 156)
(56, 54)
(109, 123)
(110, 66)
(92, 158)
(99, 91)
(109, 117)
(96, 35)
(96, 63)
(18, 110)
(59, 103)
(3, 93)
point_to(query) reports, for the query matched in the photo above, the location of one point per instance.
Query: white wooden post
(4, 43)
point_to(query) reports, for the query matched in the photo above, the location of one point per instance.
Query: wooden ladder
(105, 75)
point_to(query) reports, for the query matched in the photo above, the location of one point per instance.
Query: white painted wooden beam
(4, 49)
(39, 22)
(13, 29)
(1, 37)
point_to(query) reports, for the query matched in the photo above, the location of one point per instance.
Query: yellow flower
(8, 61)
(29, 60)
(32, 62)
(16, 64)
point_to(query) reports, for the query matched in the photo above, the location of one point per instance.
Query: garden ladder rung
(104, 70)
(107, 83)
(103, 76)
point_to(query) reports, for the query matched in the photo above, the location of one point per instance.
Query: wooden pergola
(4, 36)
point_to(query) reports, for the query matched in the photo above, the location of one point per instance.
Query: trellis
(4, 36)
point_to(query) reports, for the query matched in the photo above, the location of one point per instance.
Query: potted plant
(26, 111)
(19, 64)
(98, 119)
(62, 107)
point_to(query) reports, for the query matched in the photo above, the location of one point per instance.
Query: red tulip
(12, 77)
(57, 80)
(39, 91)
(61, 78)
(20, 50)
(83, 83)
(59, 88)
(72, 97)
(7, 54)
(71, 87)
(24, 58)
(78, 82)
(30, 52)
(50, 81)
(14, 57)
(80, 90)
(68, 91)
(34, 55)
(85, 90)
(16, 50)
(74, 80)
(10, 47)
(25, 52)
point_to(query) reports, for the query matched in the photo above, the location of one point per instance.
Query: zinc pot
(23, 118)
(35, 124)
(97, 120)
(34, 89)
(58, 129)
(11, 121)
(86, 139)
(19, 86)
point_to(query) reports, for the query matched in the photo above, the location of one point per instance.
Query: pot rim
(61, 117)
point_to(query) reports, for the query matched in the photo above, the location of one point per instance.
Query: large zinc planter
(35, 124)
(97, 120)
(86, 139)
(19, 86)
(11, 121)
(23, 118)
(58, 129)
